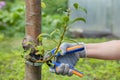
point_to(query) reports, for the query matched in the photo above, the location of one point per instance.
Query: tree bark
(33, 29)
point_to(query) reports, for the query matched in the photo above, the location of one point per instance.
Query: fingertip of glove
(70, 73)
(52, 70)
(66, 69)
(60, 68)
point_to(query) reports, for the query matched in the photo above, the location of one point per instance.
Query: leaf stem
(60, 41)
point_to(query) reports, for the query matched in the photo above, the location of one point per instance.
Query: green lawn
(12, 64)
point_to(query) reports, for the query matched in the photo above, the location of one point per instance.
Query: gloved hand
(68, 60)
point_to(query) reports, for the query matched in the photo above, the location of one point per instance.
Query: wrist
(83, 53)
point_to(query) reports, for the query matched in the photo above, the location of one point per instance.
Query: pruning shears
(71, 50)
(36, 59)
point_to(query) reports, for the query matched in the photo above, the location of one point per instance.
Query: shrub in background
(53, 5)
(12, 19)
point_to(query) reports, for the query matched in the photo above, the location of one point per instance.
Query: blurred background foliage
(12, 17)
(53, 5)
(12, 23)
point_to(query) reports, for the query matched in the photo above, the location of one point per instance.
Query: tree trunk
(33, 29)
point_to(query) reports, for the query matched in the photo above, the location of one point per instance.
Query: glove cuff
(83, 54)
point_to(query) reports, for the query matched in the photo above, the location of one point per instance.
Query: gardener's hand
(67, 60)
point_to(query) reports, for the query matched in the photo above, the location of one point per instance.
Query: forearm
(107, 50)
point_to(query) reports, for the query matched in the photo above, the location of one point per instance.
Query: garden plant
(12, 23)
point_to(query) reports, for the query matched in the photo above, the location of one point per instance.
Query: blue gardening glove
(68, 60)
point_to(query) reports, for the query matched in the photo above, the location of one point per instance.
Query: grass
(12, 64)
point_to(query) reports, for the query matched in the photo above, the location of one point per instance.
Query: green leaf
(40, 37)
(43, 5)
(60, 9)
(40, 49)
(53, 32)
(79, 19)
(76, 5)
(83, 9)
(66, 18)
